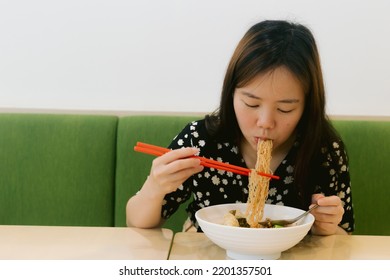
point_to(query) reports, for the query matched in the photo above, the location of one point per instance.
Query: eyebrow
(289, 100)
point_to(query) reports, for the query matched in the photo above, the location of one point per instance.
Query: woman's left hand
(328, 216)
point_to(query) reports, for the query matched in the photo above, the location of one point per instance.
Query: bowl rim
(309, 218)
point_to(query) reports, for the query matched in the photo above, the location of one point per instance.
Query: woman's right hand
(170, 170)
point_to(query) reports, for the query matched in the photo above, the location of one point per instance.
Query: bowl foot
(239, 256)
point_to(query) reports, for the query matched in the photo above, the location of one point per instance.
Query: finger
(184, 174)
(329, 201)
(328, 218)
(175, 180)
(315, 197)
(330, 210)
(177, 154)
(174, 174)
(183, 164)
(172, 162)
(177, 170)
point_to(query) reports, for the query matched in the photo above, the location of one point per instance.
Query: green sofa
(80, 169)
(57, 169)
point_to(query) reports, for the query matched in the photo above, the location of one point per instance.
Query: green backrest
(57, 169)
(133, 167)
(367, 144)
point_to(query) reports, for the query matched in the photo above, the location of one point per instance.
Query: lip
(261, 138)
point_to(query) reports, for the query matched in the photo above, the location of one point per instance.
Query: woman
(273, 89)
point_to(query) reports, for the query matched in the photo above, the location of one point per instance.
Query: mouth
(262, 138)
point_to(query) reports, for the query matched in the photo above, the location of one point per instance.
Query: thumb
(315, 197)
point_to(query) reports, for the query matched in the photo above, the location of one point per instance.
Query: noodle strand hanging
(258, 185)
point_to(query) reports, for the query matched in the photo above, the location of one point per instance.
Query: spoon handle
(287, 221)
(305, 213)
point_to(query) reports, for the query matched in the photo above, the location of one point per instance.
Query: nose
(266, 119)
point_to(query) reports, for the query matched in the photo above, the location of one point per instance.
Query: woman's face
(269, 107)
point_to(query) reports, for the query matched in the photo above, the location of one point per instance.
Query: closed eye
(251, 106)
(285, 111)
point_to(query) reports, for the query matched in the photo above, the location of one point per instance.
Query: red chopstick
(158, 151)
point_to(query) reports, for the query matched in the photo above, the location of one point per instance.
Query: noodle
(258, 191)
(258, 185)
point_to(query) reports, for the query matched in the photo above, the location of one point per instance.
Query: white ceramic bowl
(253, 243)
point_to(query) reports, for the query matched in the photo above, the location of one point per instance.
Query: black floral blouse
(212, 186)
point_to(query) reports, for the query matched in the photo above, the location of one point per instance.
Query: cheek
(239, 111)
(243, 119)
(289, 130)
(289, 124)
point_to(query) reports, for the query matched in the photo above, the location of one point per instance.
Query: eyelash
(285, 111)
(280, 110)
(251, 106)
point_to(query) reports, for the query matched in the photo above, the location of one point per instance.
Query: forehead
(279, 81)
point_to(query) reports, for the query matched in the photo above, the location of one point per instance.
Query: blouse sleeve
(337, 180)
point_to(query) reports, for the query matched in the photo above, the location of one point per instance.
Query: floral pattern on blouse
(212, 186)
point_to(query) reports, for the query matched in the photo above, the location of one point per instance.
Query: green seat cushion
(134, 167)
(367, 144)
(57, 169)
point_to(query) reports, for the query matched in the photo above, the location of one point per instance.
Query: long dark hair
(266, 46)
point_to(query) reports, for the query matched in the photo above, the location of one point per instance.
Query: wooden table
(121, 243)
(196, 246)
(77, 243)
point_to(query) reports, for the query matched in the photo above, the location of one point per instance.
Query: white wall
(171, 55)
